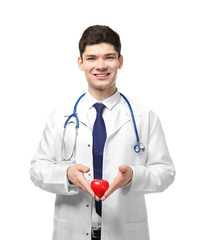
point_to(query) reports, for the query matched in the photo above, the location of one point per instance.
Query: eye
(110, 57)
(91, 59)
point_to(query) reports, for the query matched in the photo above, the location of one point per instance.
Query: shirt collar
(109, 102)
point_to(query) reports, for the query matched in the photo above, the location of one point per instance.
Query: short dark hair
(99, 34)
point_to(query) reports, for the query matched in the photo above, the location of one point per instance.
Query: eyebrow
(108, 54)
(90, 56)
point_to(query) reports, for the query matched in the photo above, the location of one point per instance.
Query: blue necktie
(99, 138)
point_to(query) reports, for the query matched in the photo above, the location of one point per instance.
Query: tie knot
(99, 107)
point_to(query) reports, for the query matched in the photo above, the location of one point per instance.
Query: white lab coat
(124, 214)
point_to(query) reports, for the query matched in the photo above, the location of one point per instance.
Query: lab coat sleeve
(47, 171)
(158, 172)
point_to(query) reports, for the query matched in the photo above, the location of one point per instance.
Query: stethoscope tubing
(74, 113)
(133, 118)
(137, 148)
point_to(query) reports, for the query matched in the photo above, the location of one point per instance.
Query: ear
(80, 63)
(121, 60)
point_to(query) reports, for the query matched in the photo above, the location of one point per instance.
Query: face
(100, 64)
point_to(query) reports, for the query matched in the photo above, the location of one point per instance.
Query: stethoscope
(138, 147)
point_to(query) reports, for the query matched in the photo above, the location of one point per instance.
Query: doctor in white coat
(131, 175)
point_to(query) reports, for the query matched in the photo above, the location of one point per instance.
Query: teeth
(101, 75)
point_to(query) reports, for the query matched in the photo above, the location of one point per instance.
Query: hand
(75, 174)
(123, 178)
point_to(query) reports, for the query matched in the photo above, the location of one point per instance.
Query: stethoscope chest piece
(139, 148)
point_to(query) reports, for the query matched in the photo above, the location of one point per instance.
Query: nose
(101, 65)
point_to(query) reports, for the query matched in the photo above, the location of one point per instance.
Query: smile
(102, 75)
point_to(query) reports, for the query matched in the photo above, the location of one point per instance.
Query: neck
(102, 94)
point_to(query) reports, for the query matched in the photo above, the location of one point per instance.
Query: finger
(97, 198)
(103, 197)
(111, 189)
(123, 168)
(107, 194)
(83, 168)
(86, 187)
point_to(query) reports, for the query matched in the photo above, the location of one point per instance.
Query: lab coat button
(89, 145)
(87, 205)
(87, 234)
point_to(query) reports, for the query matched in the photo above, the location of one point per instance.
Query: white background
(165, 60)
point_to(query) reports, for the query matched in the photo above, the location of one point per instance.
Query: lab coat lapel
(117, 121)
(82, 114)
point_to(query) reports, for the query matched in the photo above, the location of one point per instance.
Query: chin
(103, 86)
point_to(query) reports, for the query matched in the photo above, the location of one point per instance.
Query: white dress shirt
(110, 105)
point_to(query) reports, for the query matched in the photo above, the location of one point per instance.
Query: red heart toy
(99, 187)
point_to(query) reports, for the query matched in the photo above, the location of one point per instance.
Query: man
(104, 149)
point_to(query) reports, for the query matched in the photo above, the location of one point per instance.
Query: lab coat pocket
(61, 229)
(136, 230)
